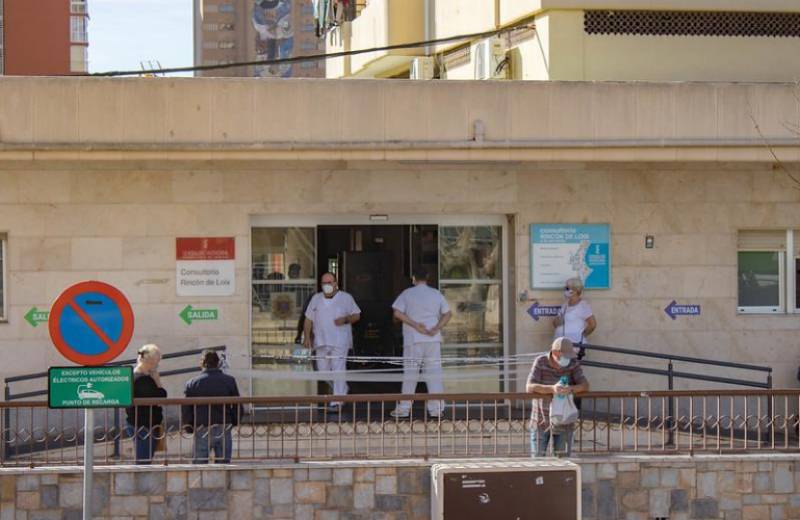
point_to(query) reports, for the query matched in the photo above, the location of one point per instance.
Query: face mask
(327, 288)
(563, 361)
(568, 293)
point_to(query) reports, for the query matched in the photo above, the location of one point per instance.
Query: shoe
(399, 414)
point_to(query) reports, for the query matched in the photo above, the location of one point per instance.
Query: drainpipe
(428, 23)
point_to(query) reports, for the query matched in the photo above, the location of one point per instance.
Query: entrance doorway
(465, 259)
(374, 263)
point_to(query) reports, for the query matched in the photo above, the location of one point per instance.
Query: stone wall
(752, 487)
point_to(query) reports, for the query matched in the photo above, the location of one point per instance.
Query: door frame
(402, 219)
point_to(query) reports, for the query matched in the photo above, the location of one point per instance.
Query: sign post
(90, 324)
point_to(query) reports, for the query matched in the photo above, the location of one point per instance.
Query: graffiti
(272, 20)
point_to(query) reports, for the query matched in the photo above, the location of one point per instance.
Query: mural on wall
(272, 20)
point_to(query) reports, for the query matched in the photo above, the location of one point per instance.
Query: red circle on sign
(66, 298)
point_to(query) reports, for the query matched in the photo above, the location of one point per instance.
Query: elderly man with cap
(545, 379)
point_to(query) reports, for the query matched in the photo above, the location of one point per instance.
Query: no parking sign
(91, 323)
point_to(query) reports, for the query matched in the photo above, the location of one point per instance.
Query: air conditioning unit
(421, 68)
(513, 488)
(489, 57)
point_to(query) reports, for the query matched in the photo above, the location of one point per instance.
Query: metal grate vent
(685, 23)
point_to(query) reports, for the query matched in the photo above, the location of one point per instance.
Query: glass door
(471, 279)
(283, 280)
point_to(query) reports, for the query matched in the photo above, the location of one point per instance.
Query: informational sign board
(90, 387)
(91, 323)
(205, 266)
(563, 251)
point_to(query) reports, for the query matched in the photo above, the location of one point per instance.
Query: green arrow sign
(90, 387)
(35, 316)
(190, 314)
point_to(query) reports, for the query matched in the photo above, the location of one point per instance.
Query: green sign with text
(90, 387)
(190, 314)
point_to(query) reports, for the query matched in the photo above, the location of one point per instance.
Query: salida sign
(205, 266)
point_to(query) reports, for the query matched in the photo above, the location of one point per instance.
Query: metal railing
(671, 374)
(472, 425)
(40, 378)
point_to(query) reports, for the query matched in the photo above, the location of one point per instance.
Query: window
(79, 58)
(768, 266)
(79, 29)
(283, 279)
(226, 8)
(78, 6)
(470, 277)
(3, 263)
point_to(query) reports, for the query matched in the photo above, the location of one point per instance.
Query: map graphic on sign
(563, 251)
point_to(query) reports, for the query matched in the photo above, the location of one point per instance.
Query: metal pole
(670, 405)
(770, 418)
(6, 426)
(117, 433)
(88, 460)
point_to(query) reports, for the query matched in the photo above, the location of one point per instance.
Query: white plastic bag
(563, 410)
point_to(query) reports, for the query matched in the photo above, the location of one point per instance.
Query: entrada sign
(673, 310)
(90, 387)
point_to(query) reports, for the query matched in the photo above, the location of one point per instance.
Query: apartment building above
(589, 40)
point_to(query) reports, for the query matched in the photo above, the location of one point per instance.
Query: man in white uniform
(330, 315)
(424, 312)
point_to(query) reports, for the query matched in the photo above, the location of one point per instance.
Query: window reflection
(470, 252)
(284, 279)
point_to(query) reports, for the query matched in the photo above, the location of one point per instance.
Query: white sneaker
(399, 414)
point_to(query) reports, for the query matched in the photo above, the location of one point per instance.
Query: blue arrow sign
(537, 310)
(673, 310)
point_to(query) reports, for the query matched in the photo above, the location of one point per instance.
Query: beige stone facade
(98, 178)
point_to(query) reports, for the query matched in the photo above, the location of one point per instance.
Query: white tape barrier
(353, 376)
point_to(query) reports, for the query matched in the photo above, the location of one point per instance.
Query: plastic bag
(563, 410)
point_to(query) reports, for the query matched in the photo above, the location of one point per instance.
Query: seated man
(545, 379)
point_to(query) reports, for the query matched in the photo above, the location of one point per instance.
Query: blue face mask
(563, 361)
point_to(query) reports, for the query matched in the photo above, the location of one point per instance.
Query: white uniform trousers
(333, 359)
(427, 357)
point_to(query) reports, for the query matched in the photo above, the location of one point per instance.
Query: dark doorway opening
(374, 263)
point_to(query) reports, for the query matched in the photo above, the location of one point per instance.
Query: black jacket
(211, 383)
(147, 416)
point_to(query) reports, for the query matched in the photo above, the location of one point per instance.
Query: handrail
(687, 359)
(676, 374)
(474, 397)
(172, 355)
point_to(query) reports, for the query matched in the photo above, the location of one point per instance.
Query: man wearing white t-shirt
(424, 312)
(330, 316)
(575, 319)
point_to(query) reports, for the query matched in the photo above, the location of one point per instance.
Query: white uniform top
(424, 305)
(574, 321)
(323, 311)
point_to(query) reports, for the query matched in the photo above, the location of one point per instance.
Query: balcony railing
(472, 425)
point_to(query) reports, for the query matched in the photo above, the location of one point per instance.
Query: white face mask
(327, 288)
(563, 361)
(569, 293)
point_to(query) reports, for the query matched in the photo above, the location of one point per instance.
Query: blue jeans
(217, 438)
(562, 442)
(144, 443)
